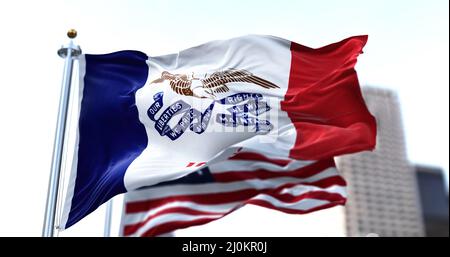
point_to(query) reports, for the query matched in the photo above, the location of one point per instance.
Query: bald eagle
(208, 86)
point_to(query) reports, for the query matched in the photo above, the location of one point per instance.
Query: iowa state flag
(253, 119)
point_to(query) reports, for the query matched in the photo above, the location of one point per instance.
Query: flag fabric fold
(196, 135)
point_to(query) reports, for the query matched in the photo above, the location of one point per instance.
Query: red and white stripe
(287, 185)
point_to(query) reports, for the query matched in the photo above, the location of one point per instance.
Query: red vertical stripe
(324, 101)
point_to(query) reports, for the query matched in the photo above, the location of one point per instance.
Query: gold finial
(72, 33)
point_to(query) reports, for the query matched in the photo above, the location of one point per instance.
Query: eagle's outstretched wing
(217, 81)
(180, 84)
(182, 87)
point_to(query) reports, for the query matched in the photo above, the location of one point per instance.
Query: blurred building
(434, 200)
(383, 197)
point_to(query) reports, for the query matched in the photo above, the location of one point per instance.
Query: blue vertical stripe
(111, 135)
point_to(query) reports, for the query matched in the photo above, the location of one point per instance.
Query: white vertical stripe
(264, 56)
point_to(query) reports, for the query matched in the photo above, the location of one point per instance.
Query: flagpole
(108, 217)
(68, 52)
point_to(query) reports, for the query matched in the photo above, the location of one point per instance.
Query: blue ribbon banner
(198, 121)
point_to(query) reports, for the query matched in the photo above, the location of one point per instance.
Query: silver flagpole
(68, 52)
(108, 217)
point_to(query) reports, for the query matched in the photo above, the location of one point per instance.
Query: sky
(407, 51)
